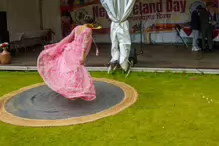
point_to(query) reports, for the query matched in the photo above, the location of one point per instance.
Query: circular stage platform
(38, 105)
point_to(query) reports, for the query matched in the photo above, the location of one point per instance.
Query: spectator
(67, 23)
(206, 25)
(195, 25)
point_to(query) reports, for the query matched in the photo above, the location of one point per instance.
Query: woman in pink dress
(62, 67)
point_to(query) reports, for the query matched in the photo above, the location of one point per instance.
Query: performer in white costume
(119, 11)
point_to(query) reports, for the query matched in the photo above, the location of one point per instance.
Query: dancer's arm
(58, 48)
(83, 58)
(66, 39)
(71, 36)
(87, 39)
(86, 44)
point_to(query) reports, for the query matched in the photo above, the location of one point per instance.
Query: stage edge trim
(131, 96)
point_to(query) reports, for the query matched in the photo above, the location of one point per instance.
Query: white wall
(2, 5)
(23, 15)
(52, 18)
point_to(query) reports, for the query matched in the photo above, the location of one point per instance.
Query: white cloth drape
(118, 11)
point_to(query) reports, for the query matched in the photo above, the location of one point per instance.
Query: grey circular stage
(39, 106)
(41, 103)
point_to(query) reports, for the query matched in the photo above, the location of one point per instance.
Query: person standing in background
(195, 25)
(67, 23)
(215, 17)
(71, 2)
(206, 25)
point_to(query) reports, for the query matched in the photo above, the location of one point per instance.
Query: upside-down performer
(61, 65)
(119, 11)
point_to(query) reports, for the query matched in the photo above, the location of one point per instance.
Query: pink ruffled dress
(59, 66)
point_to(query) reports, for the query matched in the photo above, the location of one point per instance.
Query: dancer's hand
(82, 62)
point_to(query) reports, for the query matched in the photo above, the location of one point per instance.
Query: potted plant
(5, 56)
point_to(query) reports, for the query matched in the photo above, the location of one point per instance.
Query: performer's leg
(124, 55)
(124, 45)
(115, 53)
(115, 44)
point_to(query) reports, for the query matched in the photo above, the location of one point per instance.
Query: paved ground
(162, 56)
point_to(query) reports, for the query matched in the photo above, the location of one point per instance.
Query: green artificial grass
(170, 111)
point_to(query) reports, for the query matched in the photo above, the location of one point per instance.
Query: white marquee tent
(23, 16)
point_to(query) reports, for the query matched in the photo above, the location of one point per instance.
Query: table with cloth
(186, 32)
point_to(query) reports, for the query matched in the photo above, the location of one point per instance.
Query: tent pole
(41, 13)
(141, 31)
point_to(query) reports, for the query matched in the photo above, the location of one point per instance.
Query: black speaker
(3, 24)
(4, 34)
(133, 56)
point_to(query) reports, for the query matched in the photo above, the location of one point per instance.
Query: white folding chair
(16, 40)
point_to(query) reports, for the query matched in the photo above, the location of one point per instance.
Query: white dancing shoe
(112, 67)
(130, 65)
(195, 49)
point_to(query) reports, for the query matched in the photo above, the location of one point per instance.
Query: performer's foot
(127, 72)
(112, 66)
(109, 68)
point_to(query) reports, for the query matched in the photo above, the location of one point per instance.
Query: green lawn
(170, 111)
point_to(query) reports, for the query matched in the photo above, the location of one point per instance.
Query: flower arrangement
(4, 46)
(5, 57)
